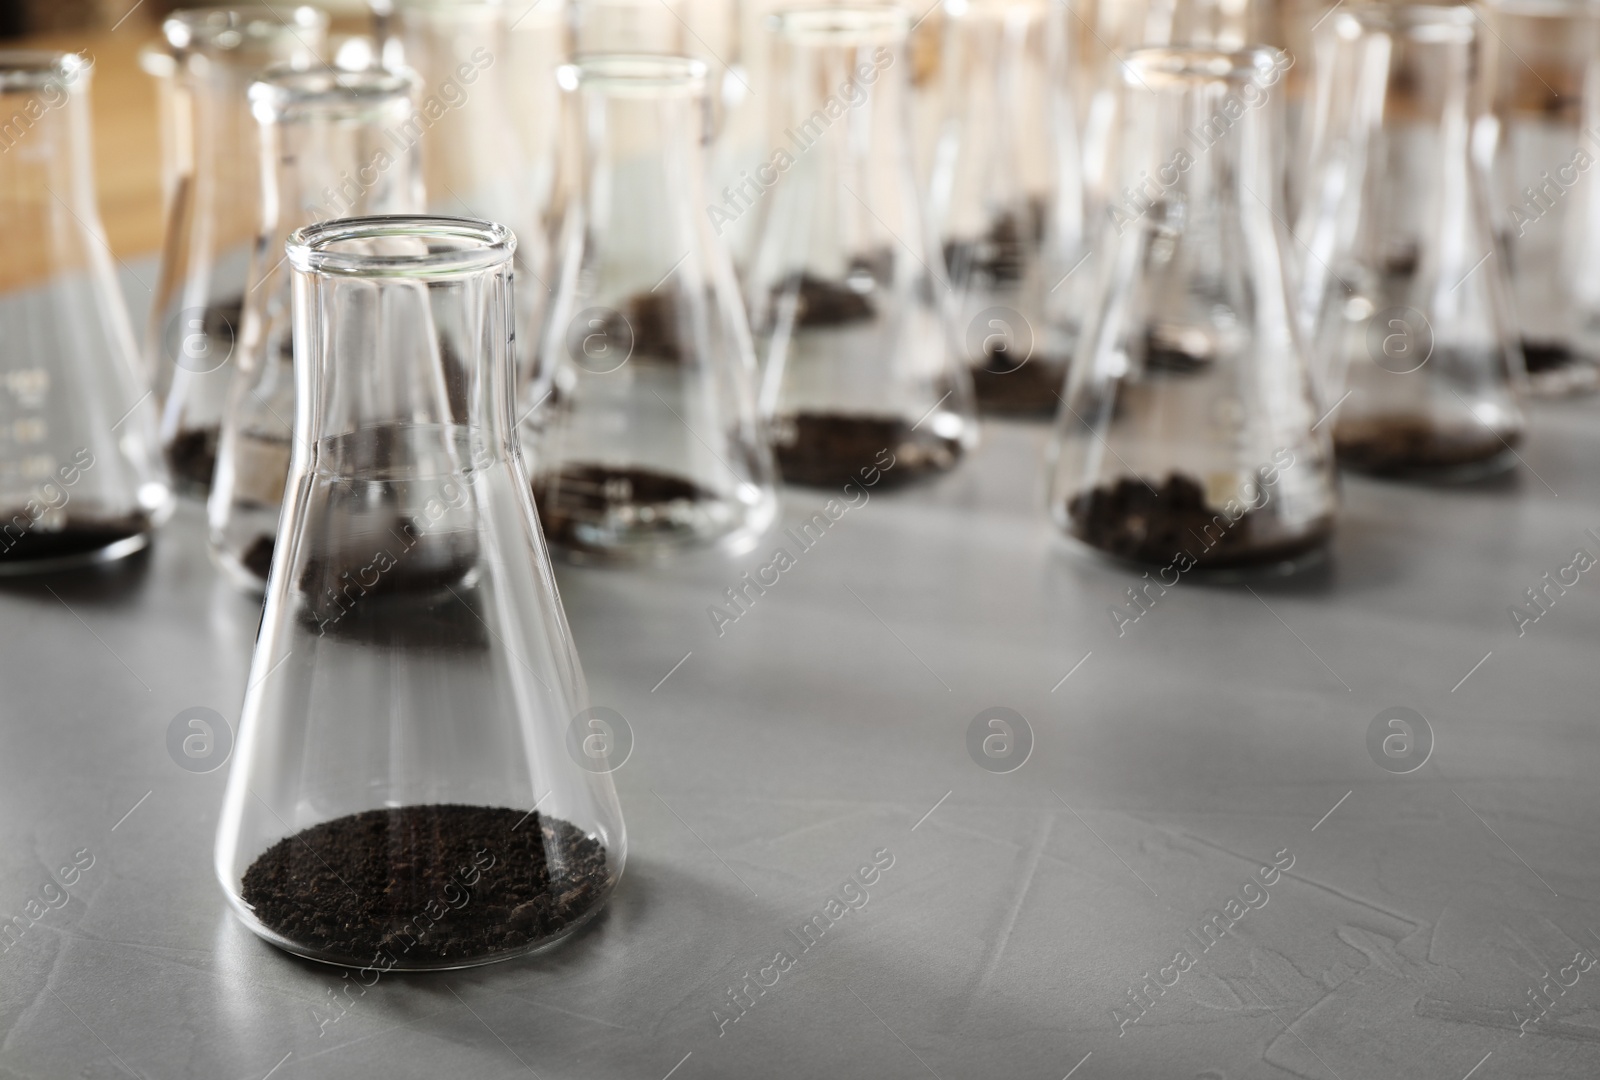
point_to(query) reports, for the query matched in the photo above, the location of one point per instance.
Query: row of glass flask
(658, 399)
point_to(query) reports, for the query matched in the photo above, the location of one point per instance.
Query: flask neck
(638, 175)
(335, 145)
(841, 95)
(402, 345)
(1204, 142)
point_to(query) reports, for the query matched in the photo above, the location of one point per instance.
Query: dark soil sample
(1543, 356)
(825, 450)
(192, 457)
(583, 498)
(77, 536)
(1399, 444)
(998, 257)
(257, 558)
(224, 320)
(824, 302)
(402, 588)
(1131, 521)
(427, 884)
(650, 322)
(1030, 390)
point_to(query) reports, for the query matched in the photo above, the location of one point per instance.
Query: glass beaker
(847, 295)
(1545, 79)
(333, 145)
(1187, 437)
(404, 793)
(1402, 286)
(1007, 200)
(643, 425)
(213, 216)
(80, 480)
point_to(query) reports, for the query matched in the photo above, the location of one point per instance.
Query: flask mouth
(239, 29)
(842, 24)
(28, 70)
(1153, 67)
(283, 88)
(634, 74)
(401, 246)
(1432, 24)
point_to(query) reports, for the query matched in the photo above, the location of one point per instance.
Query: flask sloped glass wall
(1401, 284)
(212, 218)
(332, 146)
(1187, 437)
(406, 792)
(80, 476)
(643, 424)
(1007, 200)
(847, 296)
(1545, 79)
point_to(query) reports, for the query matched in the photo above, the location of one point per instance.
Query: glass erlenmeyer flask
(643, 426)
(1402, 282)
(1007, 200)
(80, 480)
(213, 215)
(1545, 79)
(332, 146)
(403, 794)
(1187, 435)
(846, 293)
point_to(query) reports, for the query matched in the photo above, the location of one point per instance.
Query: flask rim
(237, 29)
(458, 247)
(1181, 66)
(284, 87)
(842, 24)
(634, 74)
(1442, 24)
(24, 70)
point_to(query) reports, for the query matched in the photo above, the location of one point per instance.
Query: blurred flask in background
(213, 215)
(642, 424)
(332, 145)
(1402, 289)
(1006, 200)
(80, 474)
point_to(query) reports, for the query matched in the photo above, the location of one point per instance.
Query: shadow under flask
(847, 296)
(643, 427)
(1187, 437)
(1402, 283)
(407, 790)
(213, 217)
(331, 147)
(1007, 200)
(80, 476)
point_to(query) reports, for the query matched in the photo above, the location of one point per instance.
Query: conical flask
(213, 217)
(643, 425)
(1544, 64)
(1402, 284)
(332, 146)
(1187, 437)
(847, 295)
(1007, 200)
(80, 479)
(404, 793)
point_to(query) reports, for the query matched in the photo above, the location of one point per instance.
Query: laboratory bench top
(1190, 853)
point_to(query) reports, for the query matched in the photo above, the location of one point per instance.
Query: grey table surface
(1022, 912)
